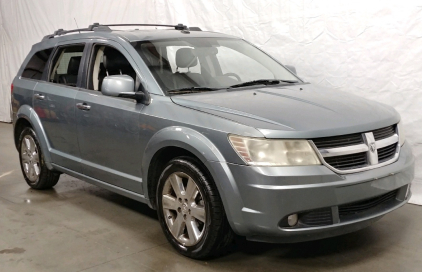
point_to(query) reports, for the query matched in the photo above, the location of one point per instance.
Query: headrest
(185, 58)
(114, 60)
(73, 67)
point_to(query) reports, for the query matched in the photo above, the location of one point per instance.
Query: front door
(109, 127)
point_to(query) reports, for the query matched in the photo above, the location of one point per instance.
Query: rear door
(109, 127)
(54, 102)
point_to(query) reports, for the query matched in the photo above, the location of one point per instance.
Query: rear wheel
(190, 210)
(33, 167)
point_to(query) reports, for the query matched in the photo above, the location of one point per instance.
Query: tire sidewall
(183, 165)
(31, 132)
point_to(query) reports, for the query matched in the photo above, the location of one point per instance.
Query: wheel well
(21, 124)
(157, 164)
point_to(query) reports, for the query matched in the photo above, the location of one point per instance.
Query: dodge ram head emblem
(372, 147)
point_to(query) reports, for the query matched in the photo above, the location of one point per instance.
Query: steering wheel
(233, 75)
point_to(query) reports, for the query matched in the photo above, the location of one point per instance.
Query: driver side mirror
(121, 86)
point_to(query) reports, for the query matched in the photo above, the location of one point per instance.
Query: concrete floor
(80, 227)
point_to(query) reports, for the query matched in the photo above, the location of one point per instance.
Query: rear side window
(35, 67)
(65, 65)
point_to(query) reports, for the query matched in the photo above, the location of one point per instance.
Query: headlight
(402, 137)
(264, 152)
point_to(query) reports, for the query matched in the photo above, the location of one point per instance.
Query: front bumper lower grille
(347, 212)
(362, 206)
(320, 217)
(360, 151)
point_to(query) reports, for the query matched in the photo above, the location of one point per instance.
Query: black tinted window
(36, 64)
(65, 65)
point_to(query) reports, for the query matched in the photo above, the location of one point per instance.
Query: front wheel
(33, 167)
(190, 210)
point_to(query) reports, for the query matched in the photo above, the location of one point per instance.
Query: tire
(31, 159)
(196, 228)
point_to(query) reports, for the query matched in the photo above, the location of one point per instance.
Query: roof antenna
(76, 25)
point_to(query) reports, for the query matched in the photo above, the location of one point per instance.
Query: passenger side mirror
(291, 68)
(121, 86)
(114, 85)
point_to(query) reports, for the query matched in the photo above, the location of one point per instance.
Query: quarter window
(65, 66)
(35, 67)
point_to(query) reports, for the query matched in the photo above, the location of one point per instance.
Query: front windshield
(212, 63)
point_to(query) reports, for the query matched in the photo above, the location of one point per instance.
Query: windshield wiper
(191, 90)
(262, 82)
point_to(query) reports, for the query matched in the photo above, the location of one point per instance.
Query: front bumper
(267, 195)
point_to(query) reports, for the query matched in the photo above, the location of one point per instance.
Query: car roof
(130, 35)
(155, 34)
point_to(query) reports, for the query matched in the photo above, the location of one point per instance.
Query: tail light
(11, 88)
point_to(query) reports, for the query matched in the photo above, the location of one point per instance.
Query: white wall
(373, 50)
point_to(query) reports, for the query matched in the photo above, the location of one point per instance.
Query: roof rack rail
(93, 27)
(177, 27)
(100, 27)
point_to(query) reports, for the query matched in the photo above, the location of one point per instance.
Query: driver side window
(107, 61)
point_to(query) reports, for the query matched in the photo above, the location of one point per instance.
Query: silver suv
(212, 132)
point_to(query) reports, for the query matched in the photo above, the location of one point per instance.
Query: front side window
(213, 63)
(107, 61)
(35, 67)
(65, 65)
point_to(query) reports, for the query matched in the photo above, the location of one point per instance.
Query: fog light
(292, 219)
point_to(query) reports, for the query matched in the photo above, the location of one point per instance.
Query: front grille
(319, 217)
(355, 152)
(383, 133)
(339, 141)
(346, 162)
(362, 206)
(387, 153)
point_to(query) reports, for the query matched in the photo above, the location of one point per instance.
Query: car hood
(299, 111)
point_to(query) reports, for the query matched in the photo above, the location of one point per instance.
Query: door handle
(83, 106)
(39, 96)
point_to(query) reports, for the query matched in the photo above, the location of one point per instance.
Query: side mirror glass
(291, 68)
(117, 84)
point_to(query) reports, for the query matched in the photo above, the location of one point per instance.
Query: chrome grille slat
(339, 141)
(387, 152)
(383, 133)
(359, 151)
(338, 151)
(348, 161)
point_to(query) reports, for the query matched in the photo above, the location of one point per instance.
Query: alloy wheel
(30, 158)
(183, 209)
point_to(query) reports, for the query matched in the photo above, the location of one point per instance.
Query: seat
(114, 63)
(101, 75)
(185, 58)
(71, 77)
(158, 64)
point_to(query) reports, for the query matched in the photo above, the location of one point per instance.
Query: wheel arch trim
(200, 146)
(28, 113)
